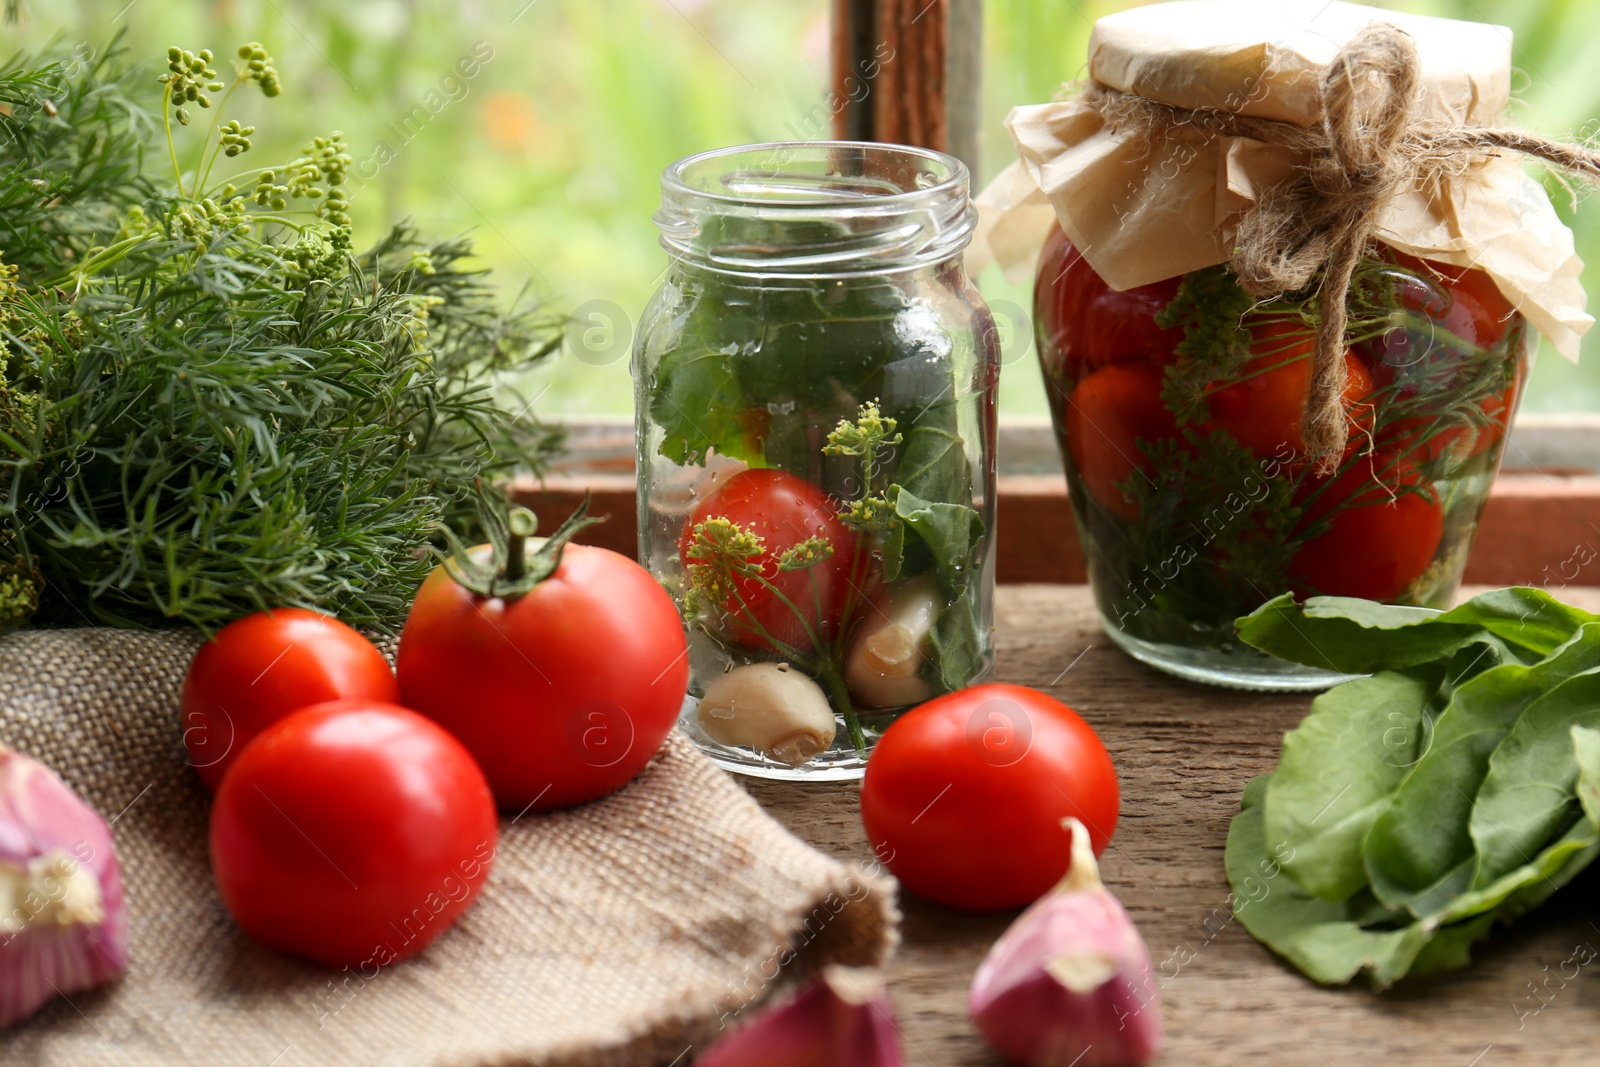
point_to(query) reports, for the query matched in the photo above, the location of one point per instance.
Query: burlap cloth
(623, 932)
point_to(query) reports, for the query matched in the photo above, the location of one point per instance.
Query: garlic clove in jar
(843, 1018)
(884, 666)
(63, 925)
(1070, 981)
(770, 707)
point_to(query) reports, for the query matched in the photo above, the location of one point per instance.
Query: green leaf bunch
(206, 412)
(1455, 788)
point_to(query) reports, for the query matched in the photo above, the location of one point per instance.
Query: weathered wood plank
(1184, 753)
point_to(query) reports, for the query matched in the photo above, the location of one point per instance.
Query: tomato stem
(521, 525)
(511, 570)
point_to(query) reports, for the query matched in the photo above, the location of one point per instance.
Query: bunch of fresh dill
(209, 404)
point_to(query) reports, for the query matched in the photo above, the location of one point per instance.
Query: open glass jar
(815, 398)
(1178, 407)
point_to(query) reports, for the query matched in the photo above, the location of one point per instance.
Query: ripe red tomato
(1380, 537)
(258, 669)
(964, 795)
(1462, 300)
(1084, 324)
(563, 693)
(784, 510)
(1423, 440)
(352, 833)
(1107, 416)
(1264, 410)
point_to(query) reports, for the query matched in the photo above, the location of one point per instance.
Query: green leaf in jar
(760, 371)
(958, 641)
(694, 394)
(933, 462)
(952, 533)
(1211, 308)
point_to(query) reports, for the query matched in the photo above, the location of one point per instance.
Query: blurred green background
(550, 152)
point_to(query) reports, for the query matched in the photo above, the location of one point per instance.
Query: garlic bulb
(884, 666)
(843, 1018)
(62, 923)
(1070, 981)
(772, 708)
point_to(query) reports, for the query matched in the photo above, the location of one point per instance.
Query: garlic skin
(843, 1018)
(883, 668)
(772, 708)
(1070, 981)
(63, 924)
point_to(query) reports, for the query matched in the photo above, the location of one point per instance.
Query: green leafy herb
(750, 371)
(1211, 308)
(1387, 712)
(1420, 865)
(1361, 637)
(1414, 809)
(208, 409)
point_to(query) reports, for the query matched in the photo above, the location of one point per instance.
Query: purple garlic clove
(841, 1019)
(1069, 983)
(63, 926)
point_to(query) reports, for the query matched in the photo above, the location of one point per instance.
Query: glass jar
(1177, 407)
(815, 405)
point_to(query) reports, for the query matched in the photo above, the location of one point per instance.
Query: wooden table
(1184, 753)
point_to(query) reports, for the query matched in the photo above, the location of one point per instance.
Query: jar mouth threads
(816, 209)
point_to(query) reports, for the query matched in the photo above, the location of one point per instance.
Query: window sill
(1541, 525)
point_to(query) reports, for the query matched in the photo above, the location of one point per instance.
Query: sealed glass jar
(1283, 309)
(1178, 408)
(815, 398)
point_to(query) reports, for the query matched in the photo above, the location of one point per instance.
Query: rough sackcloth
(619, 933)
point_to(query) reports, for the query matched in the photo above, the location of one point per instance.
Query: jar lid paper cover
(1141, 212)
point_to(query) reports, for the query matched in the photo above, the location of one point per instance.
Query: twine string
(1367, 146)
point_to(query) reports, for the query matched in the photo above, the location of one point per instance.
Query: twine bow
(1367, 146)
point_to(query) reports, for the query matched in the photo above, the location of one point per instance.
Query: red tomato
(1423, 440)
(563, 693)
(262, 667)
(352, 833)
(1085, 324)
(1265, 409)
(784, 510)
(964, 795)
(1409, 362)
(1107, 416)
(1379, 539)
(1463, 300)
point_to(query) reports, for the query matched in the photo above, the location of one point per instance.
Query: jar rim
(956, 175)
(816, 208)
